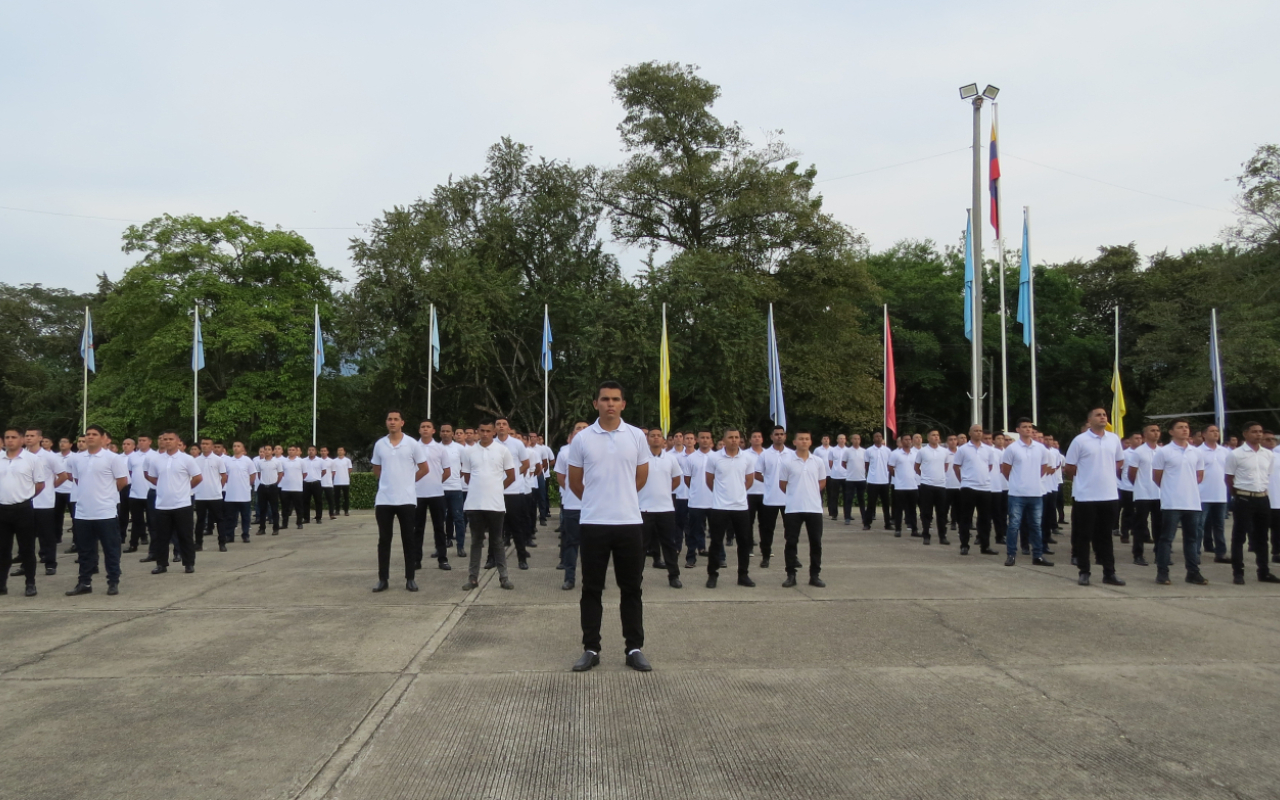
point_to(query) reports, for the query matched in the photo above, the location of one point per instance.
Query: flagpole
(315, 375)
(84, 402)
(884, 367)
(1004, 323)
(1219, 391)
(546, 382)
(430, 358)
(1031, 303)
(195, 386)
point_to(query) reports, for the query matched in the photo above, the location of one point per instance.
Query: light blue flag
(319, 346)
(777, 408)
(1215, 372)
(435, 341)
(546, 341)
(1024, 286)
(968, 278)
(197, 344)
(86, 343)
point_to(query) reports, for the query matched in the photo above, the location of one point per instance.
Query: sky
(1119, 122)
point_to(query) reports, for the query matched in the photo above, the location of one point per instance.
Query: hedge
(364, 488)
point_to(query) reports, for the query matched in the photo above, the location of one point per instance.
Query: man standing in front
(608, 466)
(804, 477)
(342, 482)
(769, 471)
(242, 475)
(1178, 470)
(931, 465)
(1024, 463)
(1249, 469)
(209, 493)
(877, 457)
(1213, 495)
(269, 492)
(488, 468)
(100, 475)
(972, 466)
(855, 477)
(430, 493)
(1093, 462)
(174, 474)
(658, 510)
(902, 473)
(455, 520)
(399, 462)
(729, 477)
(516, 495)
(313, 470)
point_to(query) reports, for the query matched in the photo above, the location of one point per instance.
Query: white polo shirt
(771, 466)
(877, 459)
(757, 487)
(1273, 490)
(173, 474)
(96, 474)
(453, 460)
(431, 484)
(68, 486)
(326, 478)
(399, 463)
(19, 476)
(239, 488)
(1126, 485)
(1179, 489)
(835, 462)
(568, 500)
(138, 483)
(1213, 489)
(291, 472)
(695, 469)
(520, 453)
(998, 483)
(1025, 464)
(269, 471)
(53, 468)
(486, 470)
(730, 491)
(952, 481)
(855, 463)
(904, 470)
(933, 465)
(682, 458)
(975, 466)
(1251, 469)
(609, 460)
(312, 468)
(655, 495)
(212, 467)
(1095, 458)
(803, 477)
(1144, 488)
(341, 468)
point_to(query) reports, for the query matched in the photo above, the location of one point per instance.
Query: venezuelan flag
(993, 172)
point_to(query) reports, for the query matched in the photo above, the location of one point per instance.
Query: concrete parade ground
(274, 672)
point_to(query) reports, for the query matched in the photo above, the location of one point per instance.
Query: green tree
(1259, 199)
(40, 367)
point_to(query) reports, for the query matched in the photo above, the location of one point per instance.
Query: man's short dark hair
(490, 421)
(731, 429)
(36, 431)
(805, 431)
(707, 431)
(611, 385)
(784, 430)
(1094, 408)
(1249, 425)
(14, 429)
(395, 411)
(204, 439)
(101, 430)
(1179, 419)
(1022, 420)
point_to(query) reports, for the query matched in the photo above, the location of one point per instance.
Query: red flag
(890, 382)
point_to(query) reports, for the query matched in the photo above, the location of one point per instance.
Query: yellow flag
(664, 380)
(1118, 409)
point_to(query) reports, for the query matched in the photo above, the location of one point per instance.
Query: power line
(1116, 185)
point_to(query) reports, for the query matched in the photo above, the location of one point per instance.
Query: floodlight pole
(975, 391)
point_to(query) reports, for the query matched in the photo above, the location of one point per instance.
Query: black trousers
(18, 521)
(47, 536)
(933, 505)
(755, 502)
(877, 493)
(292, 503)
(1091, 526)
(168, 524)
(208, 514)
(330, 500)
(1126, 513)
(139, 510)
(312, 497)
(834, 490)
(1250, 520)
(1000, 513)
(768, 522)
(435, 505)
(1146, 520)
(812, 523)
(975, 500)
(854, 489)
(723, 523)
(386, 517)
(513, 524)
(904, 503)
(953, 505)
(625, 545)
(342, 497)
(269, 507)
(122, 513)
(660, 533)
(61, 505)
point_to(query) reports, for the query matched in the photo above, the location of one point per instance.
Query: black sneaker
(1197, 579)
(1041, 562)
(1139, 561)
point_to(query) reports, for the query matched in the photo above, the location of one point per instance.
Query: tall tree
(40, 366)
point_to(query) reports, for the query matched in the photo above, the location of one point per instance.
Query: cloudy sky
(1119, 121)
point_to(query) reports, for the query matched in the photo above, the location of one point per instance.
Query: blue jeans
(543, 498)
(1211, 528)
(454, 515)
(695, 534)
(1169, 519)
(1024, 514)
(571, 535)
(88, 533)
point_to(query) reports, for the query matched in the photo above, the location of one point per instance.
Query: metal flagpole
(884, 371)
(1004, 323)
(315, 375)
(195, 385)
(976, 355)
(84, 404)
(546, 381)
(1031, 292)
(430, 358)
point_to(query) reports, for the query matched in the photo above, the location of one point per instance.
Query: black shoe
(1140, 561)
(1197, 579)
(71, 549)
(506, 584)
(380, 586)
(445, 565)
(987, 551)
(199, 547)
(131, 549)
(1041, 562)
(690, 563)
(50, 570)
(16, 572)
(745, 580)
(790, 581)
(434, 554)
(1112, 580)
(462, 553)
(659, 565)
(1084, 579)
(567, 585)
(275, 531)
(711, 582)
(1270, 577)
(190, 568)
(531, 543)
(964, 549)
(244, 539)
(925, 540)
(1026, 551)
(489, 564)
(1163, 580)
(675, 583)
(944, 540)
(724, 564)
(222, 547)
(299, 526)
(589, 659)
(897, 534)
(866, 527)
(159, 570)
(1221, 560)
(1010, 561)
(764, 563)
(81, 588)
(1046, 552)
(560, 566)
(144, 539)
(1238, 580)
(1000, 540)
(524, 565)
(469, 585)
(113, 588)
(814, 580)
(31, 590)
(411, 585)
(637, 661)
(915, 534)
